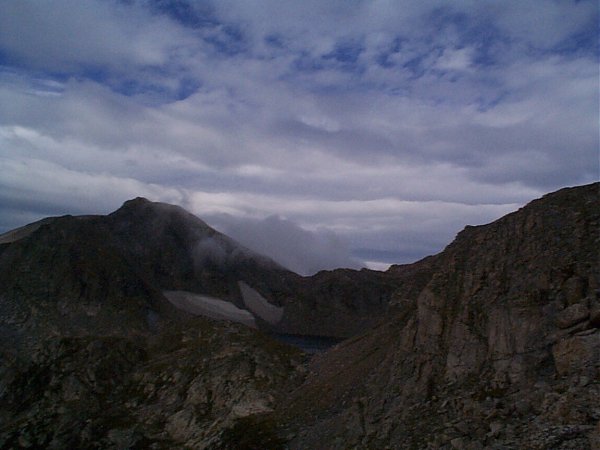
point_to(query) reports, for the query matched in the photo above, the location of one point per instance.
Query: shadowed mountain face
(69, 276)
(145, 249)
(499, 349)
(107, 338)
(180, 252)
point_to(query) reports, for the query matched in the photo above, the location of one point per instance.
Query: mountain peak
(140, 208)
(136, 201)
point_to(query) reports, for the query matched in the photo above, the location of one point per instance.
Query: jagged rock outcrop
(498, 350)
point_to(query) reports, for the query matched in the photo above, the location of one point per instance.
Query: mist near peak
(287, 243)
(210, 251)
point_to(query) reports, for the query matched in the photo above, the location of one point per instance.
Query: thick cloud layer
(302, 251)
(389, 124)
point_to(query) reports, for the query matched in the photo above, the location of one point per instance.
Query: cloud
(210, 251)
(390, 124)
(39, 188)
(302, 251)
(548, 24)
(72, 34)
(455, 59)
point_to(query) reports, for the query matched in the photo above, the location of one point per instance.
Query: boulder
(572, 315)
(577, 354)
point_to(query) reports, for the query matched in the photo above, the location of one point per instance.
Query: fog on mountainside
(299, 250)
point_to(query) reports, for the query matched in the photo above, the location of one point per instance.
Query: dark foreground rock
(186, 388)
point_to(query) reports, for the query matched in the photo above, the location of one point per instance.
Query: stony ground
(190, 388)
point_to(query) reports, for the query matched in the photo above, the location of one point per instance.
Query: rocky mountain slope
(145, 250)
(493, 343)
(187, 387)
(500, 349)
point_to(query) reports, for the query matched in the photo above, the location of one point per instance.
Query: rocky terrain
(189, 388)
(500, 349)
(493, 343)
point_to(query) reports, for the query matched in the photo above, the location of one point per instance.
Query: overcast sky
(330, 133)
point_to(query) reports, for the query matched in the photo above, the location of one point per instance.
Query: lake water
(309, 344)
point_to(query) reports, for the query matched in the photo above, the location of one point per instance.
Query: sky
(321, 133)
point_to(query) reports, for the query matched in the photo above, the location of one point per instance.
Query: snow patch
(214, 308)
(259, 305)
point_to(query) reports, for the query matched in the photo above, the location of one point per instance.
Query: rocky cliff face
(187, 387)
(493, 343)
(500, 349)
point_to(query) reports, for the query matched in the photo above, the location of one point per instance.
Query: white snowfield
(214, 308)
(259, 305)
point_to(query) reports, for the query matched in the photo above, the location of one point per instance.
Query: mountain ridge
(500, 349)
(171, 250)
(492, 343)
